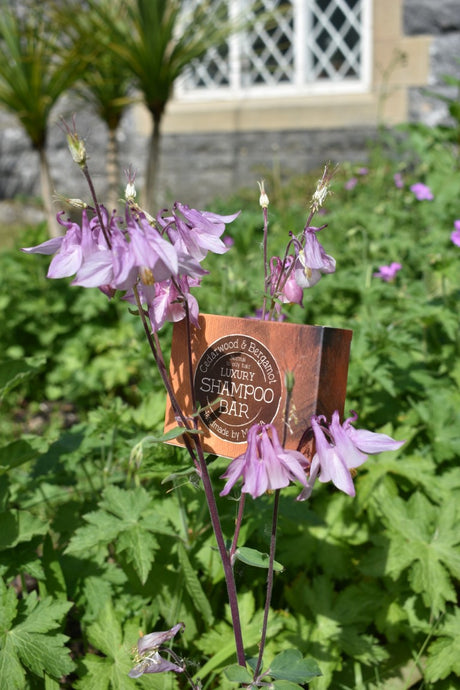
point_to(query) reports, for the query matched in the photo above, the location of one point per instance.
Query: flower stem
(239, 520)
(224, 555)
(266, 272)
(214, 515)
(269, 583)
(159, 360)
(96, 204)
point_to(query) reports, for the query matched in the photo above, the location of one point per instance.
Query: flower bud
(263, 199)
(130, 191)
(77, 148)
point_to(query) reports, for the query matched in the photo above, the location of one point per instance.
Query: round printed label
(237, 384)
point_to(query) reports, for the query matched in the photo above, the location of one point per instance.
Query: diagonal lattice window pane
(268, 48)
(294, 44)
(335, 48)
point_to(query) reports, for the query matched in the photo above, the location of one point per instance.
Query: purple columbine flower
(265, 465)
(351, 183)
(388, 273)
(286, 289)
(148, 658)
(398, 180)
(197, 231)
(341, 448)
(422, 192)
(455, 235)
(312, 261)
(161, 260)
(71, 249)
(167, 302)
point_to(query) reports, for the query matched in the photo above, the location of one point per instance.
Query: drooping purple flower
(398, 180)
(341, 448)
(166, 301)
(283, 285)
(455, 235)
(67, 248)
(265, 465)
(161, 259)
(422, 192)
(312, 261)
(351, 183)
(388, 273)
(148, 658)
(198, 231)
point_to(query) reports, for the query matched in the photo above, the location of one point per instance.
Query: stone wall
(441, 19)
(198, 167)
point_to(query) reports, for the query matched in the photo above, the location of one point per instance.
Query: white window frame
(299, 87)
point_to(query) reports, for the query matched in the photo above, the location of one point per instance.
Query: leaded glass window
(295, 45)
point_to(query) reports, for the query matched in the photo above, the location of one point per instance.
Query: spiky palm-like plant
(157, 40)
(106, 81)
(36, 68)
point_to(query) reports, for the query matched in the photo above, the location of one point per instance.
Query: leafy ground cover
(91, 547)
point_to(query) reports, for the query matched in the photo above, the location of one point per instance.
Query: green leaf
(12, 673)
(285, 685)
(220, 642)
(139, 547)
(15, 454)
(15, 371)
(290, 665)
(237, 674)
(444, 653)
(8, 607)
(256, 558)
(424, 539)
(18, 526)
(127, 505)
(54, 583)
(194, 587)
(101, 530)
(106, 634)
(171, 435)
(33, 643)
